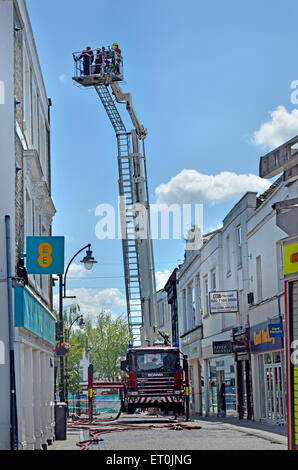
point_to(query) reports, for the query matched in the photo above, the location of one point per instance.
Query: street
(214, 434)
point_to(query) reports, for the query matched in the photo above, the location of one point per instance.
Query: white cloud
(62, 77)
(92, 301)
(161, 278)
(76, 271)
(192, 187)
(212, 228)
(282, 127)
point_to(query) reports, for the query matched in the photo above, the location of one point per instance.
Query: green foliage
(108, 341)
(103, 342)
(77, 341)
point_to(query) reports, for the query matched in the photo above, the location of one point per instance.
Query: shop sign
(222, 347)
(290, 258)
(45, 255)
(224, 302)
(276, 330)
(261, 340)
(241, 341)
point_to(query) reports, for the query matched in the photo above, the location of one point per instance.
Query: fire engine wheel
(131, 409)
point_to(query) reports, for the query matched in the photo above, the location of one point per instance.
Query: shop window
(277, 357)
(267, 358)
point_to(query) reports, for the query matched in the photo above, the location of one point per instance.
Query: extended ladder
(137, 254)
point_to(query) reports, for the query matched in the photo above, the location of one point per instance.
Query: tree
(74, 359)
(108, 341)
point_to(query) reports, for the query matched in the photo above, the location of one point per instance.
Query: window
(193, 305)
(239, 242)
(228, 254)
(198, 298)
(43, 144)
(259, 279)
(213, 280)
(161, 314)
(28, 219)
(184, 310)
(206, 299)
(279, 263)
(27, 95)
(35, 119)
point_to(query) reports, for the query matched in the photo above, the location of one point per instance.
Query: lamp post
(81, 323)
(88, 262)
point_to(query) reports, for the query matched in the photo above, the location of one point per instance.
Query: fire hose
(120, 427)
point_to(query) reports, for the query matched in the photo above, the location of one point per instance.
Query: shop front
(191, 346)
(269, 379)
(243, 372)
(218, 379)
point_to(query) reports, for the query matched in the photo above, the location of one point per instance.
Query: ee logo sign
(45, 260)
(45, 255)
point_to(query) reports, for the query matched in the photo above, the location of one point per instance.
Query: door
(274, 389)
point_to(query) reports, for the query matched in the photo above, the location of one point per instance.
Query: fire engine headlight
(177, 392)
(133, 393)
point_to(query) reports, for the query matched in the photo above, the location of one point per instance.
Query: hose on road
(120, 427)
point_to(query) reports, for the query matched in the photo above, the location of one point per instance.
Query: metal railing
(100, 63)
(102, 405)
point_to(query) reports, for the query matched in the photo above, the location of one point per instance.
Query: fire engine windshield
(156, 362)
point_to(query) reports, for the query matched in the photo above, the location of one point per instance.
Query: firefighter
(167, 339)
(98, 61)
(115, 47)
(88, 57)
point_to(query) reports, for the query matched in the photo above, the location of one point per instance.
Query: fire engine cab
(153, 377)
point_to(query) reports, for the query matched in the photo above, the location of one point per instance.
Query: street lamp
(88, 262)
(80, 320)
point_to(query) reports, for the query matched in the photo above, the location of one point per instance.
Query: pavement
(229, 434)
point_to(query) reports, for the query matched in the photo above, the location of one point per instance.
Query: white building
(26, 207)
(164, 324)
(220, 265)
(267, 303)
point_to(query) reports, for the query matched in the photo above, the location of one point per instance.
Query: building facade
(266, 306)
(26, 208)
(221, 377)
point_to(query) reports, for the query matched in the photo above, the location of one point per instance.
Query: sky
(214, 84)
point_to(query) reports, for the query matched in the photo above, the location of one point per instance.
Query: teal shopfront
(32, 315)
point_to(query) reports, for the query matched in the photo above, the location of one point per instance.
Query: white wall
(163, 310)
(7, 180)
(263, 242)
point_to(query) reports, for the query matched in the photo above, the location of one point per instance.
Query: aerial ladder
(140, 285)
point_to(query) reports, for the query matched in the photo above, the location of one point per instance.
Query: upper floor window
(213, 280)
(239, 244)
(228, 252)
(193, 306)
(206, 296)
(259, 279)
(161, 314)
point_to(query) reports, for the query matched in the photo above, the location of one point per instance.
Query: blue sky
(204, 77)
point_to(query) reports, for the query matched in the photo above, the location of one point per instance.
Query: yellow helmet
(115, 44)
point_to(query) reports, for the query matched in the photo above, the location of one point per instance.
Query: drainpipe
(13, 399)
(282, 358)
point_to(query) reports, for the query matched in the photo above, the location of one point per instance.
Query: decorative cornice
(32, 165)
